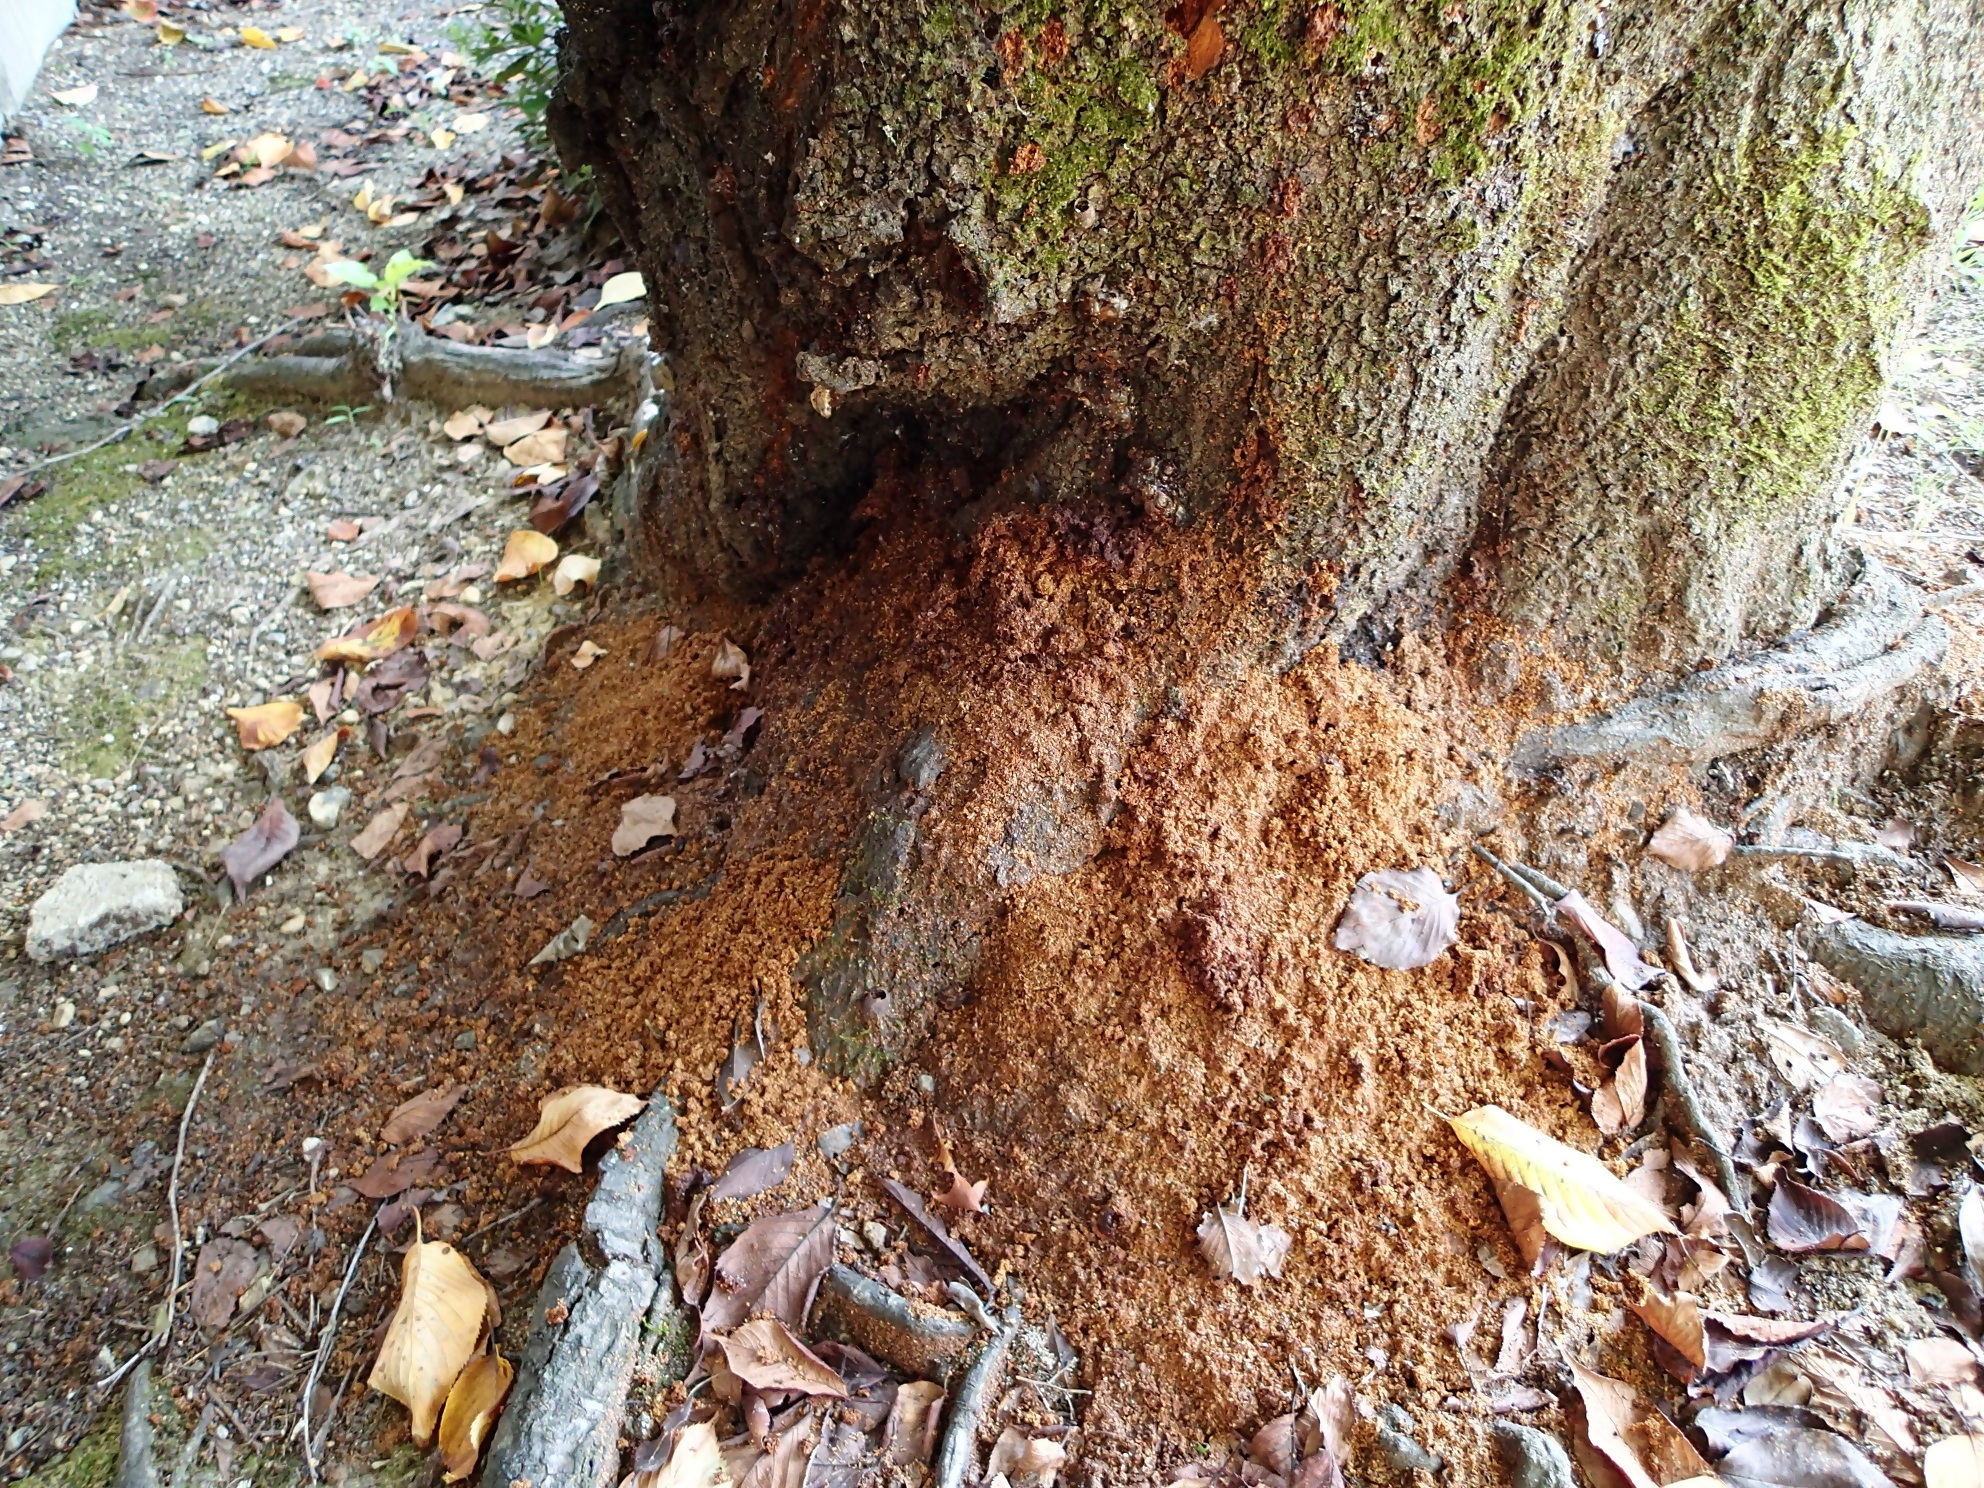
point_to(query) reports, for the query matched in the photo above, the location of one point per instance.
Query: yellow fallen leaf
(382, 637)
(220, 147)
(256, 37)
(21, 294)
(467, 423)
(433, 1333)
(470, 123)
(269, 149)
(568, 1119)
(536, 337)
(621, 288)
(291, 34)
(317, 758)
(214, 106)
(353, 83)
(545, 447)
(363, 200)
(696, 1461)
(267, 724)
(454, 192)
(471, 1410)
(1955, 1462)
(524, 554)
(170, 33)
(75, 97)
(1583, 1204)
(573, 570)
(441, 139)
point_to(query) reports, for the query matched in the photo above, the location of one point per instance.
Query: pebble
(294, 923)
(1406, 1455)
(204, 1037)
(65, 1013)
(465, 1040)
(144, 1259)
(203, 423)
(1836, 1026)
(835, 1140)
(371, 960)
(876, 1234)
(94, 906)
(327, 805)
(1539, 1461)
(327, 979)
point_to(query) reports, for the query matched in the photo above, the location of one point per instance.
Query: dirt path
(139, 602)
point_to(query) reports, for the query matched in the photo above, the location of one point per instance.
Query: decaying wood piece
(922, 1341)
(1877, 639)
(1926, 987)
(562, 1423)
(344, 366)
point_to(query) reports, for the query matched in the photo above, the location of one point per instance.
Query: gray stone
(835, 1140)
(1538, 1461)
(203, 423)
(95, 906)
(144, 1260)
(326, 806)
(465, 1040)
(922, 760)
(370, 960)
(1406, 1455)
(204, 1037)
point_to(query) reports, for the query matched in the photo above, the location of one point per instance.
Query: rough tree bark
(1562, 316)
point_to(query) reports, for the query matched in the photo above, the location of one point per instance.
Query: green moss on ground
(91, 1463)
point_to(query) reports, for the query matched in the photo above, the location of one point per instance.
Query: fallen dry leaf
(695, 1461)
(766, 1355)
(573, 570)
(1940, 1361)
(938, 1231)
(381, 830)
(1646, 1448)
(910, 1435)
(267, 724)
(256, 37)
(752, 1171)
(1580, 1201)
(1690, 842)
(472, 1408)
(1620, 1104)
(433, 1332)
(25, 292)
(567, 943)
(569, 1119)
(75, 97)
(1968, 877)
(1399, 919)
(508, 431)
(1237, 1246)
(266, 843)
(224, 1270)
(730, 661)
(524, 554)
(545, 447)
(963, 1196)
(335, 591)
(692, 1254)
(622, 288)
(467, 423)
(641, 821)
(435, 843)
(415, 1118)
(1684, 960)
(214, 106)
(21, 815)
(1897, 836)
(287, 423)
(586, 655)
(1955, 1462)
(342, 530)
(380, 637)
(317, 758)
(1622, 957)
(1015, 1455)
(1803, 1219)
(774, 1266)
(1677, 1320)
(1845, 1107)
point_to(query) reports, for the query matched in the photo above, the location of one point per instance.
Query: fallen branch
(325, 1342)
(955, 1458)
(164, 1334)
(125, 429)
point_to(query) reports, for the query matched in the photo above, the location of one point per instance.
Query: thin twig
(328, 1338)
(1541, 900)
(498, 1223)
(172, 1201)
(124, 430)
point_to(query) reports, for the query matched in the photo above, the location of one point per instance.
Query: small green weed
(516, 44)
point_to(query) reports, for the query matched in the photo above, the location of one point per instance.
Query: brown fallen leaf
(774, 1266)
(1642, 1445)
(224, 1270)
(1237, 1246)
(1968, 877)
(1846, 1107)
(1622, 957)
(692, 1254)
(317, 758)
(342, 530)
(413, 1119)
(1897, 836)
(369, 642)
(641, 821)
(380, 831)
(1580, 1201)
(1684, 961)
(1677, 1320)
(1940, 1361)
(694, 1461)
(1961, 917)
(1802, 1057)
(1803, 1219)
(396, 1172)
(910, 1435)
(1620, 1104)
(21, 815)
(1017, 1456)
(938, 1231)
(1691, 843)
(731, 662)
(573, 570)
(433, 1332)
(266, 843)
(468, 422)
(212, 106)
(473, 1405)
(337, 591)
(587, 654)
(287, 423)
(524, 554)
(752, 1171)
(544, 447)
(1399, 920)
(568, 1120)
(510, 430)
(438, 842)
(766, 1355)
(267, 724)
(962, 1196)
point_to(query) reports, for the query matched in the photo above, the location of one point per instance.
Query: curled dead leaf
(1691, 843)
(317, 758)
(767, 1355)
(1622, 957)
(472, 1408)
(377, 638)
(524, 554)
(1237, 1246)
(573, 570)
(641, 821)
(267, 724)
(1399, 919)
(1580, 1201)
(433, 1332)
(336, 591)
(731, 662)
(567, 1120)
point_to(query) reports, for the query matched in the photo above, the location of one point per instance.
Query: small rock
(144, 1259)
(922, 760)
(95, 906)
(507, 724)
(327, 805)
(835, 1140)
(1406, 1455)
(465, 1040)
(1835, 1025)
(203, 423)
(371, 959)
(204, 1037)
(1538, 1461)
(927, 1083)
(327, 979)
(105, 1192)
(294, 923)
(65, 1014)
(874, 1234)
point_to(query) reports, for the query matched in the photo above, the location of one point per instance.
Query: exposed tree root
(980, 1390)
(351, 367)
(924, 1342)
(1876, 639)
(1929, 987)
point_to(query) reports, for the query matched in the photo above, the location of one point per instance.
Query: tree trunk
(1123, 435)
